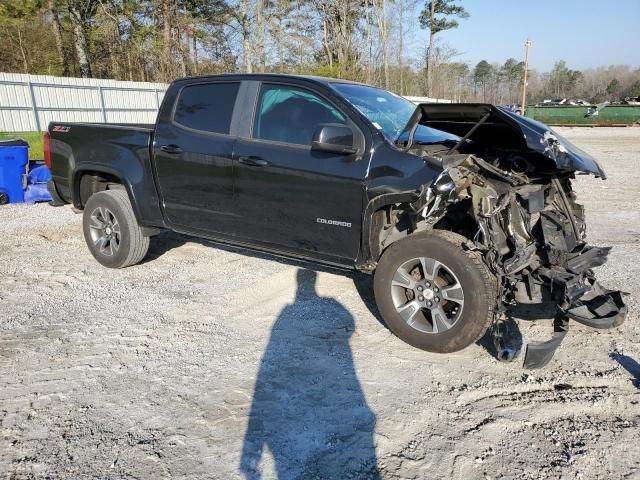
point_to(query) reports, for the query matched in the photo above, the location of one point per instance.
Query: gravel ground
(214, 363)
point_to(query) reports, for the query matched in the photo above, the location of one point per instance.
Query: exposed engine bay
(506, 185)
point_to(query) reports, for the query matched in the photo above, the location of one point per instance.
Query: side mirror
(334, 138)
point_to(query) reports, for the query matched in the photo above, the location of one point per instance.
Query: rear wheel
(433, 293)
(111, 231)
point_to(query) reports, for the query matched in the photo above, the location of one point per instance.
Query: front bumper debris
(532, 236)
(599, 308)
(539, 354)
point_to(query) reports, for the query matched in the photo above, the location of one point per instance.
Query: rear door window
(207, 107)
(291, 114)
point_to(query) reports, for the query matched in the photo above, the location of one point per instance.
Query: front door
(290, 196)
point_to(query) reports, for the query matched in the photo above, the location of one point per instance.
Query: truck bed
(123, 150)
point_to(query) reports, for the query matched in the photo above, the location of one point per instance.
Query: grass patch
(34, 139)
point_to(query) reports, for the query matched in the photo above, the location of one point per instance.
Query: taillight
(47, 150)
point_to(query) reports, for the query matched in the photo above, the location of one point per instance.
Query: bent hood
(504, 129)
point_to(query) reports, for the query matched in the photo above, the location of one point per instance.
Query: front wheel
(433, 293)
(111, 231)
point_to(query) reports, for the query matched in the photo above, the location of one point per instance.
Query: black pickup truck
(461, 210)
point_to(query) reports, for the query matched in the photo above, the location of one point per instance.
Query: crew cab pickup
(461, 210)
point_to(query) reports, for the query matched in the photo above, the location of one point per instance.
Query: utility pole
(523, 107)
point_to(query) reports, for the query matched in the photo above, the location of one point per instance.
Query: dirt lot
(214, 363)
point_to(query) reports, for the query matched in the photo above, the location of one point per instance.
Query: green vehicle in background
(585, 115)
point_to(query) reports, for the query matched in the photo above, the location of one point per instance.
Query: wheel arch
(371, 245)
(393, 213)
(89, 180)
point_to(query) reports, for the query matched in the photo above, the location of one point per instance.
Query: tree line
(497, 83)
(361, 40)
(159, 40)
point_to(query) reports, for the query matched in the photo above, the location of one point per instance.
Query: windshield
(388, 112)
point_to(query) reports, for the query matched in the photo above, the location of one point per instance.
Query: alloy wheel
(427, 295)
(105, 231)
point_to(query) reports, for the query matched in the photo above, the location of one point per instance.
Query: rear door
(193, 156)
(288, 195)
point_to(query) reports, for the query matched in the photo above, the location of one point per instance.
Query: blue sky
(585, 33)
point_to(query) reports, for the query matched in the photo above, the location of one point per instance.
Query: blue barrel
(14, 156)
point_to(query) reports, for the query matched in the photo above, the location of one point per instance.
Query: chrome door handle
(253, 161)
(172, 149)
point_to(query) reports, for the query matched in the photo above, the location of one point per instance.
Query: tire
(463, 289)
(111, 230)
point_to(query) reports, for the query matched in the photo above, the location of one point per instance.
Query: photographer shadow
(308, 408)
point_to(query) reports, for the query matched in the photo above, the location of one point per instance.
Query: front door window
(291, 115)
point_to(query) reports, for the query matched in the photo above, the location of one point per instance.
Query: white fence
(30, 102)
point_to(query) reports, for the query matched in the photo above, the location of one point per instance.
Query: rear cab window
(206, 107)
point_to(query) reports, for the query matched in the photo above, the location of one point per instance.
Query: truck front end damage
(507, 183)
